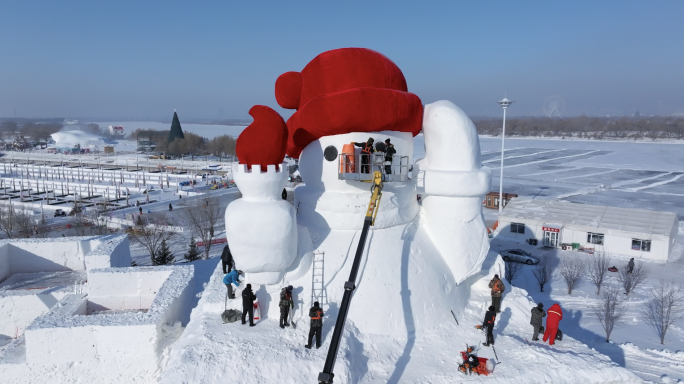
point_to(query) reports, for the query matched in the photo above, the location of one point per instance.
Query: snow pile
(82, 138)
(399, 327)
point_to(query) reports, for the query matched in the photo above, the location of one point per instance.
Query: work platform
(360, 167)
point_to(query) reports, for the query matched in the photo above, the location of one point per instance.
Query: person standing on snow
(366, 152)
(285, 304)
(232, 278)
(488, 325)
(227, 259)
(497, 287)
(284, 194)
(630, 265)
(248, 298)
(536, 320)
(170, 207)
(316, 315)
(555, 316)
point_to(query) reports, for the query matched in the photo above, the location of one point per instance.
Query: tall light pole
(504, 104)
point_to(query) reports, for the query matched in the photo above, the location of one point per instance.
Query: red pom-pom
(264, 141)
(288, 90)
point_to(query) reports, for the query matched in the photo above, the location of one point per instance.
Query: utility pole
(505, 103)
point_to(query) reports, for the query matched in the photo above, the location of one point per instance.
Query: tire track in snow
(554, 171)
(545, 160)
(659, 183)
(515, 157)
(627, 182)
(590, 174)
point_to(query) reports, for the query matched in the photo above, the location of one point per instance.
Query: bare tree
(543, 271)
(609, 310)
(512, 270)
(598, 268)
(87, 223)
(201, 215)
(664, 307)
(572, 271)
(16, 222)
(151, 234)
(631, 280)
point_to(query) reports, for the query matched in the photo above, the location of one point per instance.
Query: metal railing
(360, 167)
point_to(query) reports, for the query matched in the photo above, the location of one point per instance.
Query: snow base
(399, 327)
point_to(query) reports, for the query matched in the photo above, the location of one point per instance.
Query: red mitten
(264, 141)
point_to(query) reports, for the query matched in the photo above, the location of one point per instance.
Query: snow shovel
(294, 325)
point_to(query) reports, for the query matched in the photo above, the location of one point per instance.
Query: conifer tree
(164, 255)
(192, 254)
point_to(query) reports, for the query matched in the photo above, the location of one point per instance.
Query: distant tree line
(652, 127)
(192, 144)
(36, 130)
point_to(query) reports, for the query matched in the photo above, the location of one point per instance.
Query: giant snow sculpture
(344, 96)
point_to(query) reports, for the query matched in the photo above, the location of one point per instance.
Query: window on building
(641, 245)
(489, 201)
(595, 238)
(518, 228)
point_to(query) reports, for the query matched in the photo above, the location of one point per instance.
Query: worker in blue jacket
(232, 278)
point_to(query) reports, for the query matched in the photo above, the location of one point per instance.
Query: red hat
(346, 90)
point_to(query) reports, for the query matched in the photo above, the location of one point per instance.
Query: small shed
(628, 232)
(492, 199)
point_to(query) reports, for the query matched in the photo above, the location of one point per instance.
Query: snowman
(343, 98)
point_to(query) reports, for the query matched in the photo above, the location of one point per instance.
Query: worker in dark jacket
(389, 153)
(366, 152)
(630, 265)
(248, 298)
(488, 325)
(537, 314)
(227, 259)
(285, 304)
(284, 194)
(316, 315)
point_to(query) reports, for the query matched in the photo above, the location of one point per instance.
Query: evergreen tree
(164, 255)
(192, 254)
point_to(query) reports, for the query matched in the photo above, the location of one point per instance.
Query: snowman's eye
(330, 153)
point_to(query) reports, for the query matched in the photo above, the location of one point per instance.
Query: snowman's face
(319, 163)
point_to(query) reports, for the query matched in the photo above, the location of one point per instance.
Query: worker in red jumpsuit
(555, 315)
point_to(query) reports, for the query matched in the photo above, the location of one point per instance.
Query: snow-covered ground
(415, 344)
(623, 174)
(643, 175)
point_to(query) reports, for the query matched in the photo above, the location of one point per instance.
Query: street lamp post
(505, 103)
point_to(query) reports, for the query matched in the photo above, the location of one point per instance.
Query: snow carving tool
(452, 313)
(497, 357)
(326, 377)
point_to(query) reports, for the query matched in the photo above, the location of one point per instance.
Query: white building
(628, 232)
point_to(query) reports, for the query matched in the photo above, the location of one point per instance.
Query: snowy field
(624, 174)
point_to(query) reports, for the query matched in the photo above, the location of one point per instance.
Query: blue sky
(132, 59)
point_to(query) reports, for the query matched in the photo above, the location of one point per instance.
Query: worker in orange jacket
(555, 315)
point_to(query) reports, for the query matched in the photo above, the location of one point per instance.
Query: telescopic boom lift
(326, 377)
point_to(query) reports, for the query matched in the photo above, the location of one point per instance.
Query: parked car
(518, 255)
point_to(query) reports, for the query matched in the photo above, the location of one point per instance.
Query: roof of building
(594, 216)
(505, 195)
